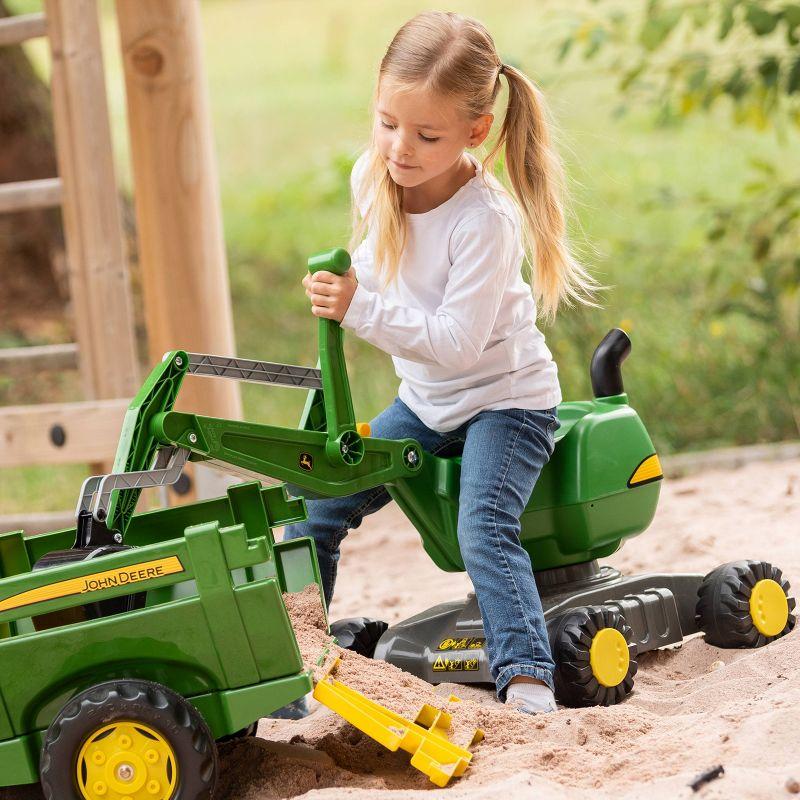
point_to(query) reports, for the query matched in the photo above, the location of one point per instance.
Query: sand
(694, 706)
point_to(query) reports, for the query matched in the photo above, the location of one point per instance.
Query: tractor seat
(92, 540)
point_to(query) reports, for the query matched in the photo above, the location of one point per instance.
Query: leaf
(736, 85)
(715, 233)
(697, 79)
(566, 46)
(631, 75)
(658, 28)
(596, 39)
(754, 187)
(726, 22)
(793, 81)
(791, 13)
(769, 70)
(700, 14)
(767, 167)
(688, 103)
(761, 21)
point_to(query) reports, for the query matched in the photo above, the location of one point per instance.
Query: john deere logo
(306, 462)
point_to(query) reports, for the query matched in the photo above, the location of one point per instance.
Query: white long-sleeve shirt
(459, 321)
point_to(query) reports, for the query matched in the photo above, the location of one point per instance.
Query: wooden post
(97, 267)
(179, 219)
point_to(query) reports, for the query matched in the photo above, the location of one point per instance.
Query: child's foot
(531, 698)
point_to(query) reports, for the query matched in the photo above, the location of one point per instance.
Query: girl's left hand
(330, 294)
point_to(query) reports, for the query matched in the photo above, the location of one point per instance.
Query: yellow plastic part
(432, 753)
(609, 657)
(363, 429)
(769, 608)
(648, 470)
(126, 761)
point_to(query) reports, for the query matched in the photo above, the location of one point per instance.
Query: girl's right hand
(330, 294)
(307, 278)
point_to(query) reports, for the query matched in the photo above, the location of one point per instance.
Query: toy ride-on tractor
(131, 643)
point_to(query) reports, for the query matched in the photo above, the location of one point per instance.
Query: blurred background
(678, 123)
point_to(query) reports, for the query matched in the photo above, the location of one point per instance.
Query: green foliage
(689, 55)
(683, 58)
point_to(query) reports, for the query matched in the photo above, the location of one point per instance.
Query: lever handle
(336, 260)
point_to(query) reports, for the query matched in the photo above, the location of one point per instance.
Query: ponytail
(537, 179)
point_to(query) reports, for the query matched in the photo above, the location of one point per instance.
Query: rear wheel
(128, 739)
(594, 656)
(359, 634)
(744, 604)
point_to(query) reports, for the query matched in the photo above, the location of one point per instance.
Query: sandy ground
(693, 706)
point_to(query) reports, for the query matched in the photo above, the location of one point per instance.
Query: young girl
(436, 283)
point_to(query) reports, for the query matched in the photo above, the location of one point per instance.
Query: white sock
(532, 698)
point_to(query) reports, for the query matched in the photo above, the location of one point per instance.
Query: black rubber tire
(143, 701)
(575, 682)
(359, 634)
(245, 733)
(723, 605)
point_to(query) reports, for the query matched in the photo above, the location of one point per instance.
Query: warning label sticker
(443, 664)
(467, 643)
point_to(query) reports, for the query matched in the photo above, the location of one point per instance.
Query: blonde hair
(454, 56)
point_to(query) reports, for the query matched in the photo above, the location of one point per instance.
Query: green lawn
(290, 83)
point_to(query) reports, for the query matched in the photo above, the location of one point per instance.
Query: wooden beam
(21, 27)
(39, 357)
(61, 433)
(96, 261)
(25, 195)
(43, 522)
(178, 212)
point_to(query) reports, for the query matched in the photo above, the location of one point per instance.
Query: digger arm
(326, 456)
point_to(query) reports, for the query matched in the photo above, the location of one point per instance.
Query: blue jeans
(503, 453)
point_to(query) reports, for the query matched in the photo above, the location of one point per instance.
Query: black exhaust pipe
(605, 371)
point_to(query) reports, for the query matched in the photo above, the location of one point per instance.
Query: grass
(290, 83)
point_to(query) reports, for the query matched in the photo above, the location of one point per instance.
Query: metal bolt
(412, 457)
(125, 772)
(178, 361)
(118, 538)
(193, 438)
(345, 448)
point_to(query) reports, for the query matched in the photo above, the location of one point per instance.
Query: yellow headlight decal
(649, 470)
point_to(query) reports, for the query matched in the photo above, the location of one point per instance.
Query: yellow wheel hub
(769, 607)
(609, 657)
(126, 761)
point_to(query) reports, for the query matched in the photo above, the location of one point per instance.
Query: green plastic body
(581, 507)
(216, 630)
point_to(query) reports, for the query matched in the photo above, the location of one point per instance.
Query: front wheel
(130, 739)
(594, 656)
(744, 604)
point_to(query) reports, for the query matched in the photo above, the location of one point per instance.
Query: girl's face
(420, 135)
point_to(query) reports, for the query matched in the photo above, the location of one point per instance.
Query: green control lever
(344, 445)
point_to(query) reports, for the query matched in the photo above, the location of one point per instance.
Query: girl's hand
(330, 294)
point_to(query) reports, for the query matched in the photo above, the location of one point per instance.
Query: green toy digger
(131, 643)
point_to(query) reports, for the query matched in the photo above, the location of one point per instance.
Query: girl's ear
(480, 129)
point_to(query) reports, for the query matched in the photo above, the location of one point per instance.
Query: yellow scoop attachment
(425, 738)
